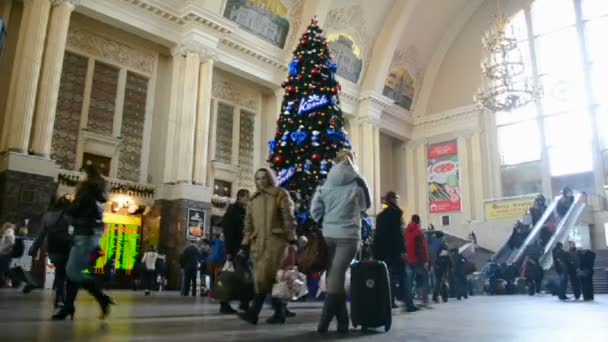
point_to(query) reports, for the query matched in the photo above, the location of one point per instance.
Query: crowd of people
(260, 230)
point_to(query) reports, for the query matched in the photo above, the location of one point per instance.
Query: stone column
(203, 118)
(48, 91)
(421, 176)
(465, 179)
(369, 161)
(187, 117)
(171, 151)
(410, 179)
(24, 81)
(477, 179)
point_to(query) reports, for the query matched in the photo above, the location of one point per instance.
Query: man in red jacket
(417, 258)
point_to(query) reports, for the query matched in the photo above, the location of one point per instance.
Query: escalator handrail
(567, 223)
(535, 230)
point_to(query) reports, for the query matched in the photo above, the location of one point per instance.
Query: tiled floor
(168, 317)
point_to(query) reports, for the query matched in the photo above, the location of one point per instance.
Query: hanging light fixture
(504, 85)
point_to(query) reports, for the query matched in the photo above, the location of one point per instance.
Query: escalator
(506, 254)
(563, 226)
(563, 230)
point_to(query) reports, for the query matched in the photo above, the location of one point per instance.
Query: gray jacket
(338, 204)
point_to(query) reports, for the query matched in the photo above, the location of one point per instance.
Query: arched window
(563, 47)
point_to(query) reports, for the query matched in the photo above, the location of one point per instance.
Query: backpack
(17, 251)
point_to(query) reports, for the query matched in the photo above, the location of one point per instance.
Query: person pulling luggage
(338, 204)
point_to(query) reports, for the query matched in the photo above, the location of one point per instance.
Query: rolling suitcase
(370, 292)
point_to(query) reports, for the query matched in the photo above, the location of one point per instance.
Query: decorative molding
(351, 20)
(295, 8)
(456, 121)
(161, 12)
(114, 51)
(230, 88)
(74, 3)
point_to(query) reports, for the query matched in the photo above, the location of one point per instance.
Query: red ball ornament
(278, 160)
(316, 157)
(315, 72)
(303, 42)
(334, 90)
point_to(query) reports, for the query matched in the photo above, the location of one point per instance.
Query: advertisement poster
(443, 178)
(196, 225)
(507, 209)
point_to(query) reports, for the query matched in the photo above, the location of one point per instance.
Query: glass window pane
(520, 114)
(596, 31)
(519, 143)
(570, 159)
(568, 129)
(562, 92)
(551, 15)
(559, 52)
(517, 26)
(601, 123)
(594, 8)
(599, 83)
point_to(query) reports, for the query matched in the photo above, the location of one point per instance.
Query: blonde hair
(345, 155)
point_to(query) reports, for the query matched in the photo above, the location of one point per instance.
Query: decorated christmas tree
(310, 129)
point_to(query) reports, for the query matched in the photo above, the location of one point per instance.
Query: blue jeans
(80, 258)
(420, 275)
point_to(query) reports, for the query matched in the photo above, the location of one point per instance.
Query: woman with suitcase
(338, 204)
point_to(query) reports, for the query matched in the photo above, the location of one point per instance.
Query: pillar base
(26, 186)
(174, 225)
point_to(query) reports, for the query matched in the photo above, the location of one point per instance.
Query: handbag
(314, 258)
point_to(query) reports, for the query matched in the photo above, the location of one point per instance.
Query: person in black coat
(232, 224)
(59, 241)
(573, 267)
(388, 246)
(188, 260)
(561, 262)
(87, 213)
(442, 268)
(564, 204)
(585, 273)
(458, 277)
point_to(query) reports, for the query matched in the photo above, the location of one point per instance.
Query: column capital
(204, 53)
(72, 3)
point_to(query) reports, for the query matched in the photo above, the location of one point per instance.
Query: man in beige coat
(269, 231)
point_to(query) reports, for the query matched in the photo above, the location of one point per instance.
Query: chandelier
(505, 86)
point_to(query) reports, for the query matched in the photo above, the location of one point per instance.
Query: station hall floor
(169, 317)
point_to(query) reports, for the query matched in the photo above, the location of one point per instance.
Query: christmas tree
(310, 129)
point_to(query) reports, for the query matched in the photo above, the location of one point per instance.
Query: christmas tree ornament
(316, 157)
(285, 175)
(272, 146)
(315, 138)
(278, 160)
(323, 167)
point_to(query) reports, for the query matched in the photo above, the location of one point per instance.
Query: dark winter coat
(586, 262)
(388, 239)
(564, 204)
(87, 209)
(189, 257)
(560, 260)
(233, 224)
(54, 225)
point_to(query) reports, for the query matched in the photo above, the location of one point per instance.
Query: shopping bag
(228, 267)
(290, 285)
